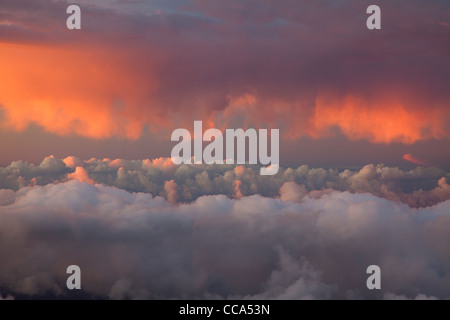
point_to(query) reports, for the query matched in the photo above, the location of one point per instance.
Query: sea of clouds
(149, 229)
(418, 187)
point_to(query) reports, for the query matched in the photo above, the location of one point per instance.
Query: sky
(341, 95)
(86, 176)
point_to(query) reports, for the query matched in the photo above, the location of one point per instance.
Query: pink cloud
(411, 158)
(80, 174)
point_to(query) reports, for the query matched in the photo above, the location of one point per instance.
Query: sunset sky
(341, 95)
(86, 177)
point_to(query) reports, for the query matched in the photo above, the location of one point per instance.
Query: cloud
(391, 296)
(409, 157)
(294, 280)
(290, 191)
(308, 68)
(171, 191)
(80, 174)
(134, 245)
(21, 173)
(72, 162)
(418, 187)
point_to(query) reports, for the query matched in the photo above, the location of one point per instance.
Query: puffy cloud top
(418, 187)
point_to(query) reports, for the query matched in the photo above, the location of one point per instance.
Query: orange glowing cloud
(80, 174)
(72, 162)
(170, 187)
(389, 118)
(81, 91)
(237, 189)
(163, 164)
(384, 120)
(127, 72)
(99, 93)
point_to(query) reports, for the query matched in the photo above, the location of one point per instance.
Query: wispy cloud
(411, 158)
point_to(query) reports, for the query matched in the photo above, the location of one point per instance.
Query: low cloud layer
(149, 229)
(418, 187)
(134, 245)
